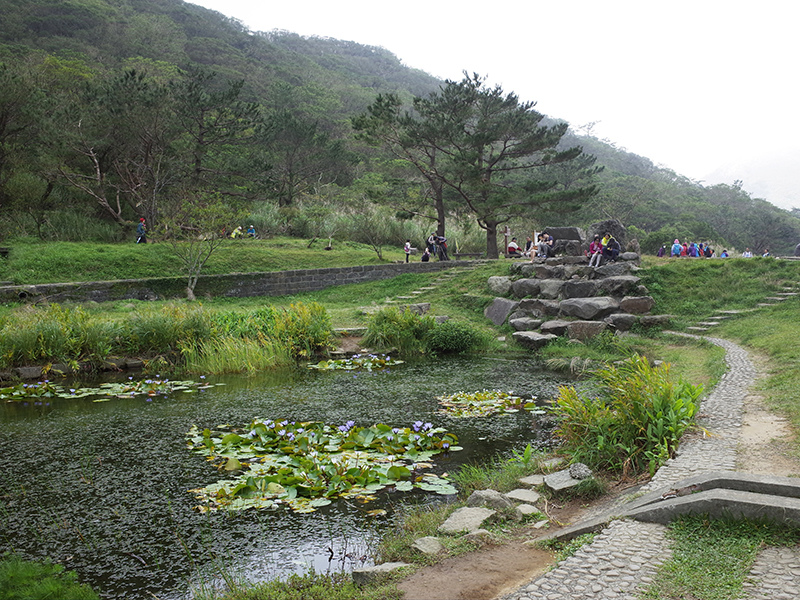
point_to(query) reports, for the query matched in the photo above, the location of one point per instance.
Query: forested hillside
(117, 110)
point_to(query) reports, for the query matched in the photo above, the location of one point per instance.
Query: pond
(102, 488)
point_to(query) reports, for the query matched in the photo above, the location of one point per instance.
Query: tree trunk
(438, 196)
(491, 239)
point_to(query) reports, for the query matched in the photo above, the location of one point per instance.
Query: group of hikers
(544, 247)
(141, 232)
(601, 249)
(694, 250)
(238, 233)
(435, 246)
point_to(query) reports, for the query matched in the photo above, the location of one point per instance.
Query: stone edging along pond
(232, 285)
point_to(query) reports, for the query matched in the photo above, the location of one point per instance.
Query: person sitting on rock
(546, 245)
(528, 247)
(612, 249)
(513, 249)
(595, 252)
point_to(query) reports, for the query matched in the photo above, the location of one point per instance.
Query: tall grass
(55, 334)
(634, 423)
(175, 333)
(235, 355)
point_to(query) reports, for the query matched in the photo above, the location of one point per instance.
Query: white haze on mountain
(706, 88)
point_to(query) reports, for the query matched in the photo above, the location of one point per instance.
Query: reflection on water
(102, 487)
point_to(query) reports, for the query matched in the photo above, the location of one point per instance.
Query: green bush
(453, 337)
(634, 423)
(26, 580)
(389, 328)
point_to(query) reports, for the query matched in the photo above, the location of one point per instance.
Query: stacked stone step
(565, 296)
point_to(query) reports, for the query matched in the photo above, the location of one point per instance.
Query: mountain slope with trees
(116, 110)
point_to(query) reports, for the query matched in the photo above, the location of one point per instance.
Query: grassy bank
(31, 262)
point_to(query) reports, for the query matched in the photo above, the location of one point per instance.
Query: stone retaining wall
(237, 285)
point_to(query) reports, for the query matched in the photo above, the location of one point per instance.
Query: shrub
(405, 331)
(634, 423)
(454, 337)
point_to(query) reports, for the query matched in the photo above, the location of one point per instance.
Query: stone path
(622, 560)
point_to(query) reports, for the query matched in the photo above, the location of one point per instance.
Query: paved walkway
(623, 558)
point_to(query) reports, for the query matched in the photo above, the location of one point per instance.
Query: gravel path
(623, 558)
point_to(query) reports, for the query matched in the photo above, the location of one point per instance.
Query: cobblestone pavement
(622, 559)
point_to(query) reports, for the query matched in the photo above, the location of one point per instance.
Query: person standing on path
(407, 249)
(141, 232)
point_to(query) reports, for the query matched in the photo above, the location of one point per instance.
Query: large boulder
(613, 269)
(659, 321)
(533, 339)
(522, 288)
(621, 321)
(612, 226)
(637, 305)
(523, 269)
(497, 312)
(566, 233)
(556, 327)
(585, 330)
(537, 307)
(630, 257)
(525, 323)
(579, 288)
(550, 289)
(621, 285)
(500, 285)
(589, 309)
(549, 271)
(580, 270)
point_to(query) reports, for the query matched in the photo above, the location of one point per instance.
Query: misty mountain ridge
(328, 82)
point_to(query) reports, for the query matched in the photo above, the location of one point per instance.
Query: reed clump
(177, 335)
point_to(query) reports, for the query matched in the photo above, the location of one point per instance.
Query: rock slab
(466, 520)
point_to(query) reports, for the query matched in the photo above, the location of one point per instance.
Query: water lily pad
(483, 403)
(305, 462)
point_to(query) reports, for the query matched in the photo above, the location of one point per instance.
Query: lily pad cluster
(305, 465)
(483, 403)
(25, 392)
(366, 362)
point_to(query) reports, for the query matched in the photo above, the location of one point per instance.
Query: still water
(102, 487)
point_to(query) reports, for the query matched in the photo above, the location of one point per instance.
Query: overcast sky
(707, 88)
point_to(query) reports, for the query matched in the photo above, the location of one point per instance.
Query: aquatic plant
(484, 403)
(634, 423)
(304, 465)
(24, 392)
(367, 362)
